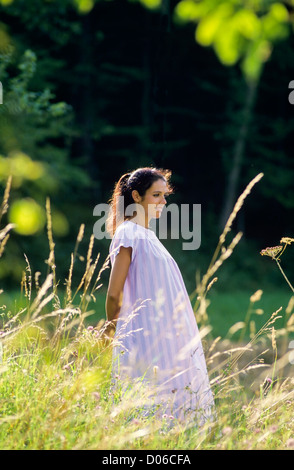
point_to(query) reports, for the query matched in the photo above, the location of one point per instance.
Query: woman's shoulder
(132, 230)
(127, 230)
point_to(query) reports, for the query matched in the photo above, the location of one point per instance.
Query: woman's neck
(139, 221)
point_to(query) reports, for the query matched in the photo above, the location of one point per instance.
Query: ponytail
(117, 210)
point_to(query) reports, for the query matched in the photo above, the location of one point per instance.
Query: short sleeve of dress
(125, 235)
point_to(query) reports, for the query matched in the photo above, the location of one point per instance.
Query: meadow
(55, 363)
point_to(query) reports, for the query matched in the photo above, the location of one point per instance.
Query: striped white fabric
(157, 339)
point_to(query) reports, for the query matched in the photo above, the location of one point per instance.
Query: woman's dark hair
(140, 180)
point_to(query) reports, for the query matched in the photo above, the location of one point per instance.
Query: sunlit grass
(55, 367)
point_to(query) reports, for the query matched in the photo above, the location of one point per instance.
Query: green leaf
(247, 23)
(188, 10)
(227, 44)
(210, 24)
(84, 6)
(151, 4)
(279, 12)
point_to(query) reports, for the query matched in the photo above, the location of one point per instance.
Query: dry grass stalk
(51, 259)
(88, 264)
(28, 268)
(216, 261)
(37, 275)
(49, 225)
(4, 233)
(4, 205)
(274, 317)
(68, 281)
(237, 207)
(5, 239)
(212, 270)
(214, 265)
(41, 293)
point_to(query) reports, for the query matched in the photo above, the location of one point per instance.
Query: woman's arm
(116, 283)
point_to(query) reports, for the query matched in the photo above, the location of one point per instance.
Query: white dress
(157, 339)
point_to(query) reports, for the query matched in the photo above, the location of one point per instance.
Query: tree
(245, 34)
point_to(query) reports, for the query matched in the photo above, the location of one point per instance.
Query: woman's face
(154, 199)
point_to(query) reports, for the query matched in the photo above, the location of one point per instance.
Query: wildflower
(274, 428)
(227, 431)
(271, 251)
(135, 421)
(266, 385)
(287, 240)
(290, 442)
(257, 431)
(164, 416)
(171, 417)
(96, 395)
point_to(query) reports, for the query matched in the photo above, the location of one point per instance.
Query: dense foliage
(93, 89)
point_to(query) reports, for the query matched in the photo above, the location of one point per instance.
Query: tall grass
(55, 372)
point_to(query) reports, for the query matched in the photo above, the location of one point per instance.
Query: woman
(157, 339)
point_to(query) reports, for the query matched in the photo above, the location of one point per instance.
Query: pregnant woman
(156, 341)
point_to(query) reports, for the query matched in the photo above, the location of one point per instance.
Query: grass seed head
(271, 251)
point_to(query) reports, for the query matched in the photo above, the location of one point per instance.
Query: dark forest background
(87, 97)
